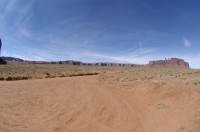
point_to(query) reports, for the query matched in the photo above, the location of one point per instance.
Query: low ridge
(167, 63)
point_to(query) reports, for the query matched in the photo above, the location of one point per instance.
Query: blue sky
(127, 31)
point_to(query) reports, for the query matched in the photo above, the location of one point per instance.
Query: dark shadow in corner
(2, 62)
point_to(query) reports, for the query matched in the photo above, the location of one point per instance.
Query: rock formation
(2, 62)
(12, 59)
(169, 63)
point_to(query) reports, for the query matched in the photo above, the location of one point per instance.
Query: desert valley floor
(114, 101)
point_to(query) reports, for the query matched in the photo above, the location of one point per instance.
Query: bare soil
(111, 102)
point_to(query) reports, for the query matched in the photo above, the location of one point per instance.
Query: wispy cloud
(25, 32)
(186, 42)
(137, 57)
(15, 15)
(74, 30)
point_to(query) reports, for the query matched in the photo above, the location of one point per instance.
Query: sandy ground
(84, 104)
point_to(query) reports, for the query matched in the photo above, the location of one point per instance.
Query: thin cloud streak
(186, 42)
(91, 56)
(136, 57)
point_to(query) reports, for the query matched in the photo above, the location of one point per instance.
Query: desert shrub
(195, 83)
(164, 83)
(9, 79)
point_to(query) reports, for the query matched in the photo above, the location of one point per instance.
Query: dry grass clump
(47, 76)
(131, 77)
(16, 78)
(25, 71)
(164, 83)
(82, 74)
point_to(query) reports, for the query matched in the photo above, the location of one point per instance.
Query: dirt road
(83, 104)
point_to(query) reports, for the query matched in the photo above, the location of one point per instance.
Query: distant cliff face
(70, 62)
(169, 63)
